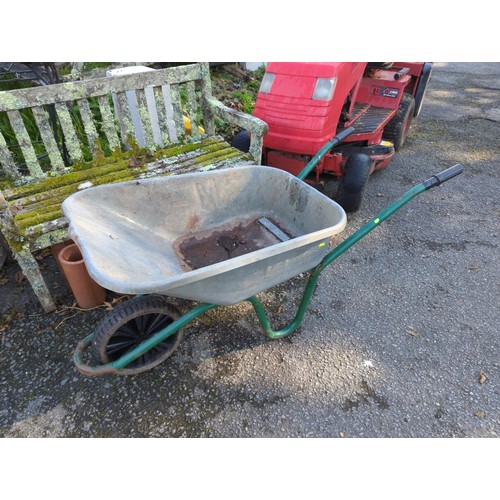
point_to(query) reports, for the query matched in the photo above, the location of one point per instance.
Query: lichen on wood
(47, 134)
(71, 139)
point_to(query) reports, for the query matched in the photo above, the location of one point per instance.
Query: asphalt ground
(400, 339)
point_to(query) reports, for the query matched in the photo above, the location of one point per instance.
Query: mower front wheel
(353, 182)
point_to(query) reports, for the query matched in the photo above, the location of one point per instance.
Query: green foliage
(247, 100)
(236, 92)
(95, 65)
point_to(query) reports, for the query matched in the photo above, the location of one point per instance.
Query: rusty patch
(193, 221)
(225, 242)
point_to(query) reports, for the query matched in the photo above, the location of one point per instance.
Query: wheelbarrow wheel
(353, 182)
(129, 324)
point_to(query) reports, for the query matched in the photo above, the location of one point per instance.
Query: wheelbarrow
(217, 238)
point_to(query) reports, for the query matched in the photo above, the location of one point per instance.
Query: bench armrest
(255, 126)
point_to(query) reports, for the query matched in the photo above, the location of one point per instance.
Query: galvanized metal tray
(131, 233)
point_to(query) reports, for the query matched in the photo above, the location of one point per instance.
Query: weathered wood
(43, 122)
(46, 227)
(178, 116)
(30, 269)
(73, 91)
(161, 113)
(108, 123)
(206, 94)
(125, 119)
(192, 109)
(169, 110)
(247, 122)
(25, 144)
(6, 160)
(71, 139)
(46, 240)
(8, 225)
(194, 163)
(145, 117)
(88, 124)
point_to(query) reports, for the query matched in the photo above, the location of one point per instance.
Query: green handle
(324, 150)
(343, 247)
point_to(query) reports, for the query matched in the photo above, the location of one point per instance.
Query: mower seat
(379, 65)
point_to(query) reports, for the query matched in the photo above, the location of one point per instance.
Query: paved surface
(400, 340)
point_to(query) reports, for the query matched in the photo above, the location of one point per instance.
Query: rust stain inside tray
(228, 241)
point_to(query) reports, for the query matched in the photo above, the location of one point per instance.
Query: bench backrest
(43, 130)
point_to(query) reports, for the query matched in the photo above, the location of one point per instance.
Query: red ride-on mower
(306, 104)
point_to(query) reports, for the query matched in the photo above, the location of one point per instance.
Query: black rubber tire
(397, 129)
(129, 324)
(379, 65)
(241, 141)
(425, 78)
(353, 182)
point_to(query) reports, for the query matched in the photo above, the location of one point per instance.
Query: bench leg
(30, 269)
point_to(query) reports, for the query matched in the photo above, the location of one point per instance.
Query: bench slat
(161, 113)
(35, 211)
(71, 139)
(145, 117)
(124, 118)
(192, 109)
(108, 123)
(43, 121)
(88, 124)
(169, 109)
(7, 161)
(206, 94)
(178, 117)
(25, 144)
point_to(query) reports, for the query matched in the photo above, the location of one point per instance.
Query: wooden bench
(85, 135)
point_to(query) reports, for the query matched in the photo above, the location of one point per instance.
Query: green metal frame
(201, 309)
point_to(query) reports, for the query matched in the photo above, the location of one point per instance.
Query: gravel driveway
(400, 339)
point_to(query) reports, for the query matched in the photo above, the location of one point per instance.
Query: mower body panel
(299, 124)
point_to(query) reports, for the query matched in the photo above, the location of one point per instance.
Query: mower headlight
(323, 91)
(267, 82)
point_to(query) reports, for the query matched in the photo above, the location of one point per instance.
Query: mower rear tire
(241, 141)
(353, 182)
(397, 129)
(423, 83)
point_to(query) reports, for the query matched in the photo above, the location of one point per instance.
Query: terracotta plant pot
(86, 291)
(55, 249)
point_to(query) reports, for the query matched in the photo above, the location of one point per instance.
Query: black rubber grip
(401, 73)
(343, 135)
(443, 176)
